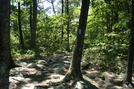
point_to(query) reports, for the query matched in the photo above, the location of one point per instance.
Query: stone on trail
(28, 86)
(84, 65)
(59, 69)
(83, 84)
(31, 65)
(58, 87)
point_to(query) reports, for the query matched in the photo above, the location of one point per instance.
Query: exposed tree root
(67, 77)
(78, 82)
(83, 84)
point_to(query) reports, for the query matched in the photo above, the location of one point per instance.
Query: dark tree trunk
(62, 32)
(31, 14)
(19, 25)
(53, 7)
(128, 77)
(74, 70)
(68, 21)
(6, 62)
(34, 20)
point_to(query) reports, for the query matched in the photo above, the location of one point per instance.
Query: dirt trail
(45, 72)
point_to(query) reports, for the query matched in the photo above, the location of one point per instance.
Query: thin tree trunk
(74, 70)
(62, 32)
(53, 7)
(34, 20)
(52, 3)
(68, 24)
(19, 24)
(130, 60)
(31, 14)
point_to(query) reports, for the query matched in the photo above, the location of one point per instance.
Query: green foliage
(106, 38)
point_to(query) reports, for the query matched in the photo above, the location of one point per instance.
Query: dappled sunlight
(45, 72)
(48, 72)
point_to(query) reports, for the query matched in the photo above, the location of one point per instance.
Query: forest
(67, 44)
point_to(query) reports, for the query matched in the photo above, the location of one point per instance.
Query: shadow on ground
(43, 72)
(46, 72)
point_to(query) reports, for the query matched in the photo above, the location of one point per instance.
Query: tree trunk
(68, 21)
(62, 32)
(34, 20)
(31, 16)
(52, 3)
(19, 24)
(6, 62)
(53, 7)
(74, 70)
(128, 77)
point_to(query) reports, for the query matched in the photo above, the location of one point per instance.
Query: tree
(62, 11)
(52, 2)
(130, 60)
(34, 20)
(19, 24)
(30, 17)
(74, 71)
(68, 24)
(6, 62)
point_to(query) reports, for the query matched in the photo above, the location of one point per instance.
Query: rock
(40, 61)
(65, 61)
(84, 65)
(23, 64)
(41, 87)
(113, 87)
(59, 69)
(58, 87)
(20, 79)
(28, 86)
(31, 65)
(83, 85)
(23, 73)
(40, 66)
(39, 73)
(53, 77)
(104, 75)
(125, 85)
(116, 81)
(83, 71)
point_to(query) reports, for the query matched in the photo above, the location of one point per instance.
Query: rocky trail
(46, 72)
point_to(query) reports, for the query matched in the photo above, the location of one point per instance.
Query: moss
(104, 73)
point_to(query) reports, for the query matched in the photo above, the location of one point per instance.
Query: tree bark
(62, 11)
(19, 25)
(68, 25)
(130, 60)
(31, 16)
(53, 7)
(34, 20)
(74, 70)
(6, 62)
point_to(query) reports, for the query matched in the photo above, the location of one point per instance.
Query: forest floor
(46, 72)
